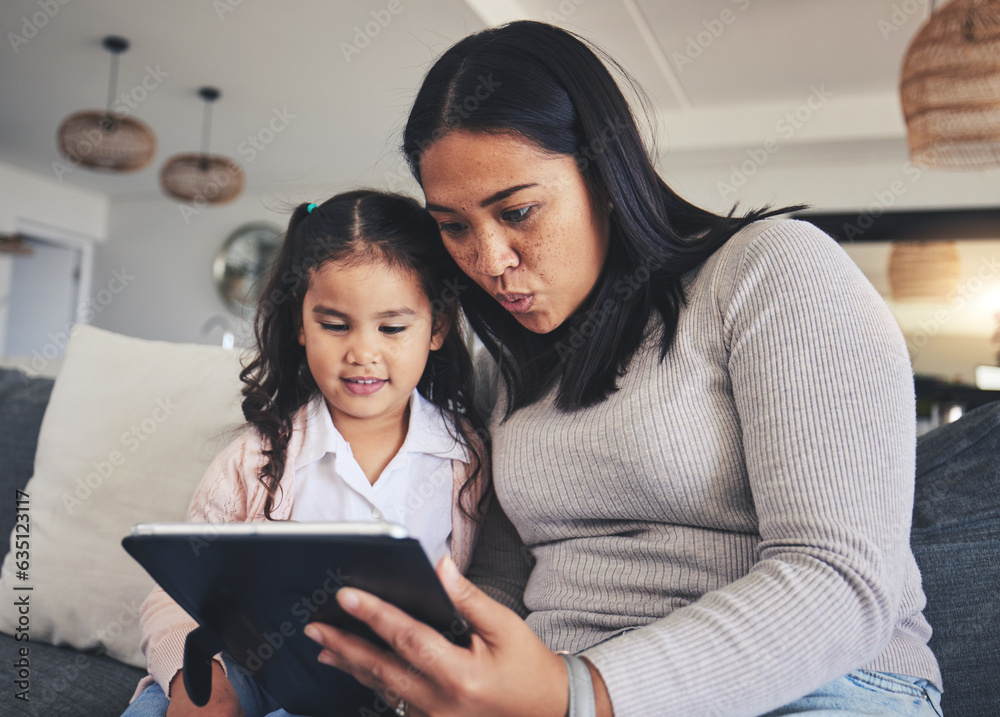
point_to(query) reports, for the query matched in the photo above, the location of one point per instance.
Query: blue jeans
(255, 700)
(874, 694)
(869, 693)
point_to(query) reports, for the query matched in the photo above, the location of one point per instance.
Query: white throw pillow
(128, 432)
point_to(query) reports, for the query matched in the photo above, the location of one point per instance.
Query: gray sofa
(63, 681)
(956, 539)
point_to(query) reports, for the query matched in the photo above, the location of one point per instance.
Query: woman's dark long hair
(362, 225)
(548, 86)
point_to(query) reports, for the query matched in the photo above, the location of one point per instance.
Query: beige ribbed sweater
(745, 504)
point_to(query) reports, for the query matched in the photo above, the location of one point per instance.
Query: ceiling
(720, 75)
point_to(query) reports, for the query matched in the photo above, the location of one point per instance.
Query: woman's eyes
(336, 328)
(392, 329)
(516, 215)
(511, 216)
(453, 228)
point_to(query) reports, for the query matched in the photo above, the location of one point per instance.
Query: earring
(611, 206)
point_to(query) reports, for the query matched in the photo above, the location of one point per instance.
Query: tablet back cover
(256, 593)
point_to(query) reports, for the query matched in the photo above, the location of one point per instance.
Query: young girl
(360, 407)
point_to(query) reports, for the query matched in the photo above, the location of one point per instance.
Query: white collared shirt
(414, 490)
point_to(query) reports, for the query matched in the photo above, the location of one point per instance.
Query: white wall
(835, 151)
(880, 184)
(43, 201)
(163, 252)
(27, 195)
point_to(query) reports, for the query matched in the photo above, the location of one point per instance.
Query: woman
(704, 433)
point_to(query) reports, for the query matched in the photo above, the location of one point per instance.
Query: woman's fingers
(383, 671)
(417, 643)
(435, 676)
(508, 653)
(397, 674)
(487, 618)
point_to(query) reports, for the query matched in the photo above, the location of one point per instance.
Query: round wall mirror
(240, 268)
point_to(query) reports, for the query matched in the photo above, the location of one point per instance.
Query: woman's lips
(363, 386)
(516, 303)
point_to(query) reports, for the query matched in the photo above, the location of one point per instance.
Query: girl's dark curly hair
(361, 225)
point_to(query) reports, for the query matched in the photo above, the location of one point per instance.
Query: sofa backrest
(956, 541)
(22, 405)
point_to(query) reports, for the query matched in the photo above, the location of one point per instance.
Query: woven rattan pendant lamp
(107, 140)
(203, 178)
(950, 88)
(924, 270)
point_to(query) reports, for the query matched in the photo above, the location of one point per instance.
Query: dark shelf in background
(937, 391)
(864, 226)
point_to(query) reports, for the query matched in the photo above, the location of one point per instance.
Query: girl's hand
(223, 702)
(507, 671)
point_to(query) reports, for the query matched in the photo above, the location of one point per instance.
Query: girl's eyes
(341, 328)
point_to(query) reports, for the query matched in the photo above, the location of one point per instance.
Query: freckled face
(519, 221)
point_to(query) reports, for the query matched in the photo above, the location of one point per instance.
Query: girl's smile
(367, 330)
(363, 386)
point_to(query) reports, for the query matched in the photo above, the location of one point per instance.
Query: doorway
(43, 287)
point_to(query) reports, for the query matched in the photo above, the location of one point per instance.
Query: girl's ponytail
(277, 382)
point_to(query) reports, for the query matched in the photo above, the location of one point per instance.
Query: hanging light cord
(209, 95)
(113, 80)
(116, 46)
(206, 129)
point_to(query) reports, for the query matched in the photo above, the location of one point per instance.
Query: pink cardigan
(230, 492)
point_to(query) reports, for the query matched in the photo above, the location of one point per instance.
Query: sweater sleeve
(221, 497)
(501, 563)
(823, 388)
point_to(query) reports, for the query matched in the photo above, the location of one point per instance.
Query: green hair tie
(310, 208)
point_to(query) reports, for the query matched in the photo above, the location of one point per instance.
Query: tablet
(253, 587)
